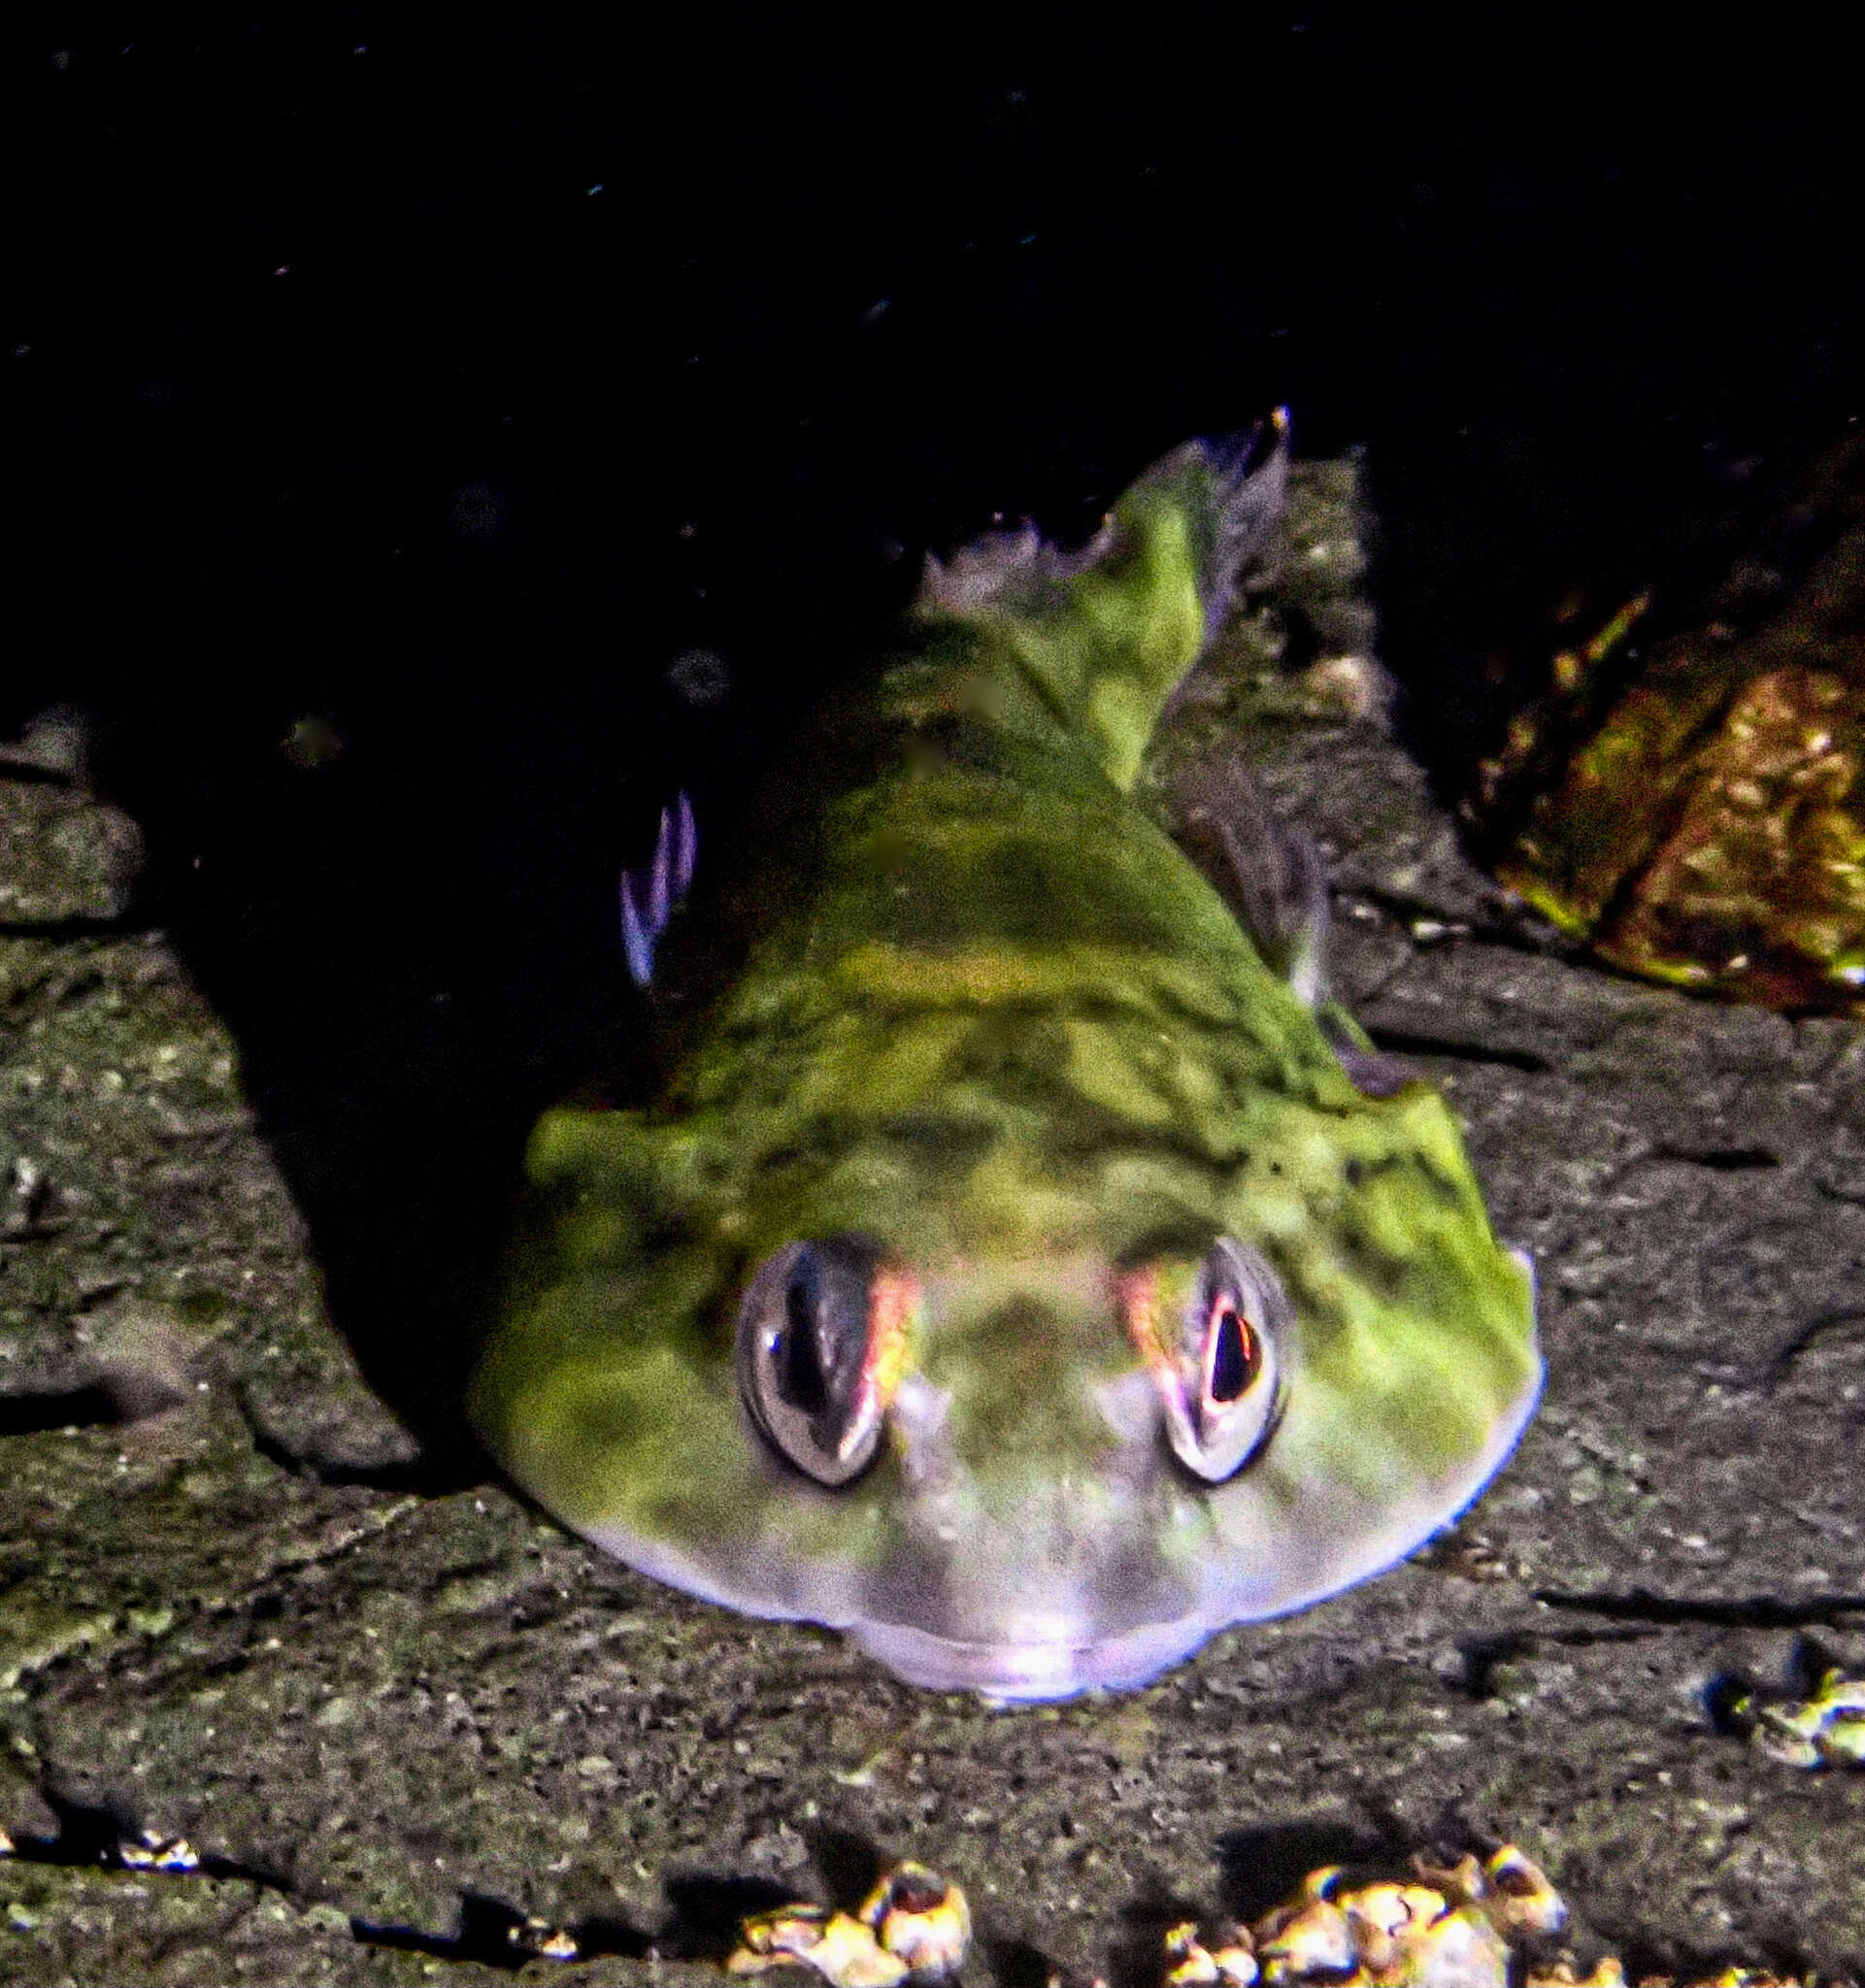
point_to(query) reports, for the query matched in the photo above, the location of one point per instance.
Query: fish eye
(1207, 1332)
(1233, 1350)
(821, 1344)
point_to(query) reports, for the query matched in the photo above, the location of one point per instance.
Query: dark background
(443, 386)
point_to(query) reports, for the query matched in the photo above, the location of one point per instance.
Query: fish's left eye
(1209, 1341)
(821, 1343)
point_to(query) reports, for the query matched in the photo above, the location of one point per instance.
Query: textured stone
(236, 1611)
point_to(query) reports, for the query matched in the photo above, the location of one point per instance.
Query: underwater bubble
(701, 676)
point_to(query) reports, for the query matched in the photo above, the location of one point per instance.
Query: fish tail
(1103, 636)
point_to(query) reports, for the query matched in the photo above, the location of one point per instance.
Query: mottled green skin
(978, 1006)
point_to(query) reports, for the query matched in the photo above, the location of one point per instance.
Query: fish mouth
(1042, 1656)
(1036, 1635)
(1029, 1672)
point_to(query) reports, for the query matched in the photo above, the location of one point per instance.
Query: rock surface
(392, 1710)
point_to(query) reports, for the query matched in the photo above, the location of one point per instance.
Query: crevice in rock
(1452, 1049)
(82, 925)
(107, 1834)
(1782, 1360)
(1719, 1159)
(99, 1392)
(493, 1934)
(36, 1411)
(1714, 1611)
(427, 1473)
(1482, 1656)
(34, 773)
(704, 1924)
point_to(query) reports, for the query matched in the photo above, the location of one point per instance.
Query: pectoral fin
(1272, 877)
(1269, 874)
(647, 902)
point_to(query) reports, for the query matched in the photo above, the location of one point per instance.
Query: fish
(1016, 1259)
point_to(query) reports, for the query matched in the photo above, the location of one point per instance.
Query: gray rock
(68, 859)
(230, 1614)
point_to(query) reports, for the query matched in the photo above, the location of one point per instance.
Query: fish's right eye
(1209, 1335)
(821, 1343)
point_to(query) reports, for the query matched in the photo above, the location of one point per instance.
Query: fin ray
(647, 903)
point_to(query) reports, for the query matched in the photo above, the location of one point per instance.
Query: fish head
(1022, 1418)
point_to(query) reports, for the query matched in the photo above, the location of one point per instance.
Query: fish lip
(1029, 1672)
(1005, 1670)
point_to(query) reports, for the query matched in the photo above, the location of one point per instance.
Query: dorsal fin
(1103, 636)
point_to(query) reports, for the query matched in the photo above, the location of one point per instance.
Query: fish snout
(1054, 1595)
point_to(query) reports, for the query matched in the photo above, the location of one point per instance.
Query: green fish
(1020, 1263)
